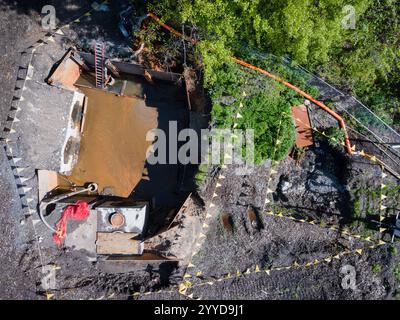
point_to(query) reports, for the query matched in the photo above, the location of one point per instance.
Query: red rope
(79, 211)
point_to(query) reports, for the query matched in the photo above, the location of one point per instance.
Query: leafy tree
(306, 30)
(364, 60)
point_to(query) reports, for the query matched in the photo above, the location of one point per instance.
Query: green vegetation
(364, 59)
(376, 268)
(396, 272)
(356, 208)
(259, 104)
(393, 250)
(335, 136)
(371, 198)
(201, 174)
(297, 153)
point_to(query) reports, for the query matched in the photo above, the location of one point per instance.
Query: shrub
(335, 136)
(364, 59)
(376, 268)
(396, 272)
(356, 208)
(201, 175)
(266, 111)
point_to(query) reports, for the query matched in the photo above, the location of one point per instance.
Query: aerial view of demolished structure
(200, 150)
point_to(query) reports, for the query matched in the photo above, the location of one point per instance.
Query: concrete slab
(45, 127)
(83, 237)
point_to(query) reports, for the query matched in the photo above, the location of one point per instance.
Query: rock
(227, 100)
(323, 184)
(285, 186)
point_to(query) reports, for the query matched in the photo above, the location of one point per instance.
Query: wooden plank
(50, 180)
(117, 243)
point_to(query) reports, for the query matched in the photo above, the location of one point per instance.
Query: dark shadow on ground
(100, 25)
(65, 9)
(168, 184)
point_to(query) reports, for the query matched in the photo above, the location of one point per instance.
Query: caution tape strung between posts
(382, 208)
(272, 171)
(12, 157)
(202, 236)
(205, 226)
(332, 227)
(374, 243)
(188, 283)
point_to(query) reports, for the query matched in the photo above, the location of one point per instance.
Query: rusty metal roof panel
(304, 136)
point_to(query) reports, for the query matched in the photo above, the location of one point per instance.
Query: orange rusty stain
(66, 74)
(304, 136)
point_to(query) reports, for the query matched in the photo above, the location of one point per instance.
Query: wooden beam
(117, 243)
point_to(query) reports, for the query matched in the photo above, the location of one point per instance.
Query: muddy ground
(230, 263)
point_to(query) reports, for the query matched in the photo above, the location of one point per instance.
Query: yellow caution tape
(49, 296)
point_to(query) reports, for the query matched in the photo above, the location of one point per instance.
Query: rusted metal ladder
(99, 49)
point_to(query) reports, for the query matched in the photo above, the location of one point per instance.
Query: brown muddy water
(113, 145)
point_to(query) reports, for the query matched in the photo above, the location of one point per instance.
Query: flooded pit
(113, 146)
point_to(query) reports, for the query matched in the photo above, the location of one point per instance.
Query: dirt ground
(18, 31)
(285, 257)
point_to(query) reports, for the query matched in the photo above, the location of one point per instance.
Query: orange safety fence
(272, 76)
